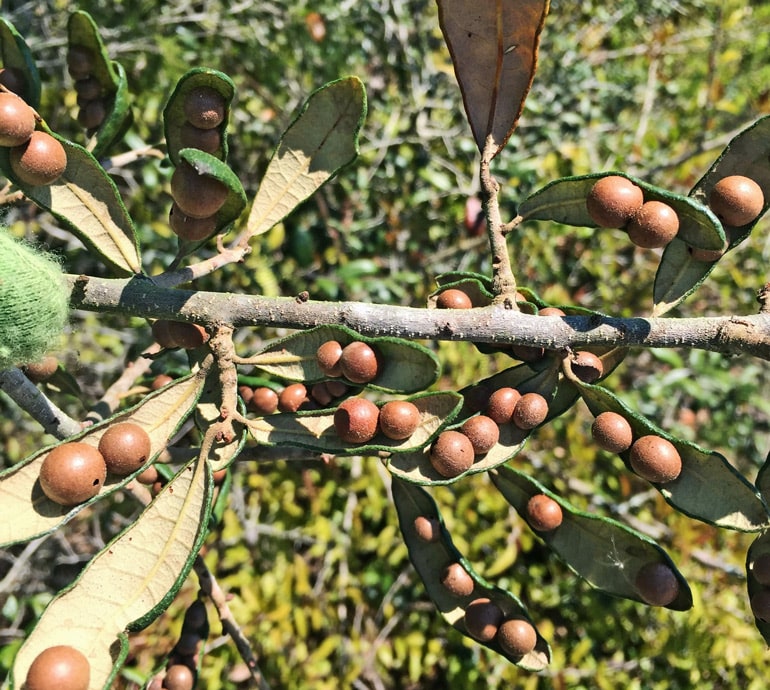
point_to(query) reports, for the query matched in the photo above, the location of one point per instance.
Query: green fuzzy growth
(34, 302)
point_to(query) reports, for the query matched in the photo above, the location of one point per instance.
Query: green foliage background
(311, 553)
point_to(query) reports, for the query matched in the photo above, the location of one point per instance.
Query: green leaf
(83, 32)
(760, 547)
(430, 558)
(315, 429)
(604, 552)
(26, 512)
(211, 166)
(678, 276)
(564, 201)
(174, 117)
(405, 367)
(748, 154)
(88, 202)
(494, 51)
(322, 139)
(708, 488)
(416, 467)
(444, 280)
(130, 582)
(475, 288)
(762, 481)
(15, 54)
(118, 120)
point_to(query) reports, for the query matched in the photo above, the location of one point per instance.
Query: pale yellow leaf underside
(26, 512)
(125, 581)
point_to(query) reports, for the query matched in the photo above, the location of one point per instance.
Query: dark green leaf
(119, 117)
(564, 201)
(708, 487)
(748, 154)
(16, 54)
(173, 113)
(762, 481)
(430, 558)
(476, 290)
(604, 552)
(405, 367)
(760, 547)
(679, 274)
(210, 166)
(83, 32)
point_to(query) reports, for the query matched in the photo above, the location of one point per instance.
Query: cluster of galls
(74, 472)
(36, 157)
(652, 457)
(483, 618)
(454, 451)
(263, 400)
(616, 202)
(92, 98)
(358, 420)
(198, 198)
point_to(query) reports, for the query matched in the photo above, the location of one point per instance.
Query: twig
(32, 400)
(110, 401)
(494, 324)
(210, 587)
(503, 281)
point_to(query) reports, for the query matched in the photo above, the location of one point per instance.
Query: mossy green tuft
(33, 302)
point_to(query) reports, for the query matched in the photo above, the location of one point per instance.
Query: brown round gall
(613, 200)
(72, 473)
(451, 454)
(355, 420)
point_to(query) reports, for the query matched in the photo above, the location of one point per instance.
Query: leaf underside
(493, 45)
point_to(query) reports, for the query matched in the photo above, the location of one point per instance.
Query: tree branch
(140, 296)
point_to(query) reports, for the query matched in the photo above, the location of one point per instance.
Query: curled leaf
(88, 202)
(26, 512)
(16, 55)
(708, 488)
(430, 558)
(748, 154)
(322, 139)
(404, 366)
(680, 273)
(174, 119)
(210, 166)
(130, 582)
(604, 552)
(82, 32)
(494, 48)
(760, 548)
(315, 429)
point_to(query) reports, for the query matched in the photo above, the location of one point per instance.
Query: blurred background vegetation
(311, 554)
